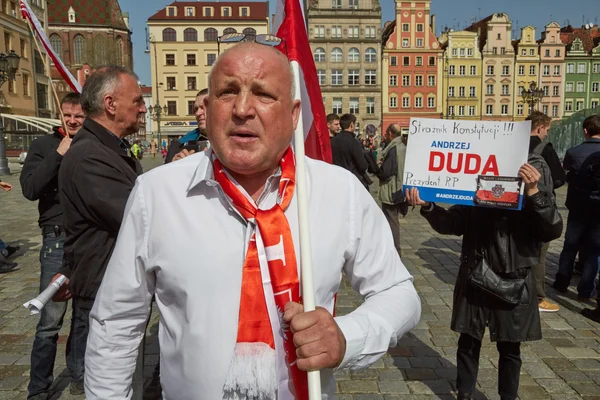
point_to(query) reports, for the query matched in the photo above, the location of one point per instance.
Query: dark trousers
(392, 213)
(539, 273)
(43, 352)
(80, 327)
(509, 366)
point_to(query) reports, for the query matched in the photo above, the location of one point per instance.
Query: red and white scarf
(254, 363)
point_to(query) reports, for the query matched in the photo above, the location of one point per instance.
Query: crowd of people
(229, 286)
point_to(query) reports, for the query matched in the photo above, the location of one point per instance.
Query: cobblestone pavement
(564, 365)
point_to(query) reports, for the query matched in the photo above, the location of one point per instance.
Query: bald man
(232, 324)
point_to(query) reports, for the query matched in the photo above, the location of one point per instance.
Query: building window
(119, 51)
(490, 70)
(227, 31)
(171, 11)
(569, 106)
(336, 55)
(80, 50)
(170, 83)
(431, 80)
(250, 34)
(336, 77)
(472, 111)
(473, 70)
(495, 50)
(419, 80)
(451, 91)
(7, 44)
(353, 55)
(594, 103)
(569, 87)
(406, 61)
(393, 80)
(370, 105)
(546, 92)
(406, 101)
(99, 50)
(532, 52)
(580, 87)
(579, 106)
(454, 52)
(432, 61)
(191, 107)
(210, 59)
(489, 109)
(405, 80)
(490, 89)
(461, 111)
(169, 35)
(354, 109)
(336, 31)
(570, 68)
(23, 53)
(419, 61)
(336, 3)
(210, 35)
(557, 53)
(505, 70)
(337, 105)
(547, 53)
(170, 59)
(581, 68)
(353, 4)
(371, 56)
(420, 28)
(11, 86)
(418, 102)
(595, 87)
(207, 11)
(244, 11)
(353, 32)
(353, 77)
(462, 70)
(191, 59)
(370, 77)
(319, 54)
(521, 70)
(532, 70)
(226, 12)
(545, 109)
(171, 107)
(503, 50)
(555, 91)
(554, 111)
(405, 27)
(371, 31)
(322, 76)
(431, 102)
(393, 102)
(452, 70)
(190, 35)
(25, 85)
(557, 70)
(597, 68)
(472, 91)
(451, 110)
(470, 52)
(319, 31)
(505, 90)
(461, 91)
(191, 83)
(524, 52)
(519, 109)
(55, 42)
(405, 42)
(419, 42)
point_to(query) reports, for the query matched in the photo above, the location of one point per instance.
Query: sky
(456, 14)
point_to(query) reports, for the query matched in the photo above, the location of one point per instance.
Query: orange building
(411, 65)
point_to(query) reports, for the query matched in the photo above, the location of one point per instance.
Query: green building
(582, 64)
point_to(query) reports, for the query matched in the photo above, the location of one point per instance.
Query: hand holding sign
(412, 196)
(531, 177)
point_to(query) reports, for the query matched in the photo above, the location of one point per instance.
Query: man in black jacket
(95, 179)
(540, 125)
(347, 152)
(39, 181)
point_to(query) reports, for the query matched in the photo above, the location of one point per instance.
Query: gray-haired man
(95, 179)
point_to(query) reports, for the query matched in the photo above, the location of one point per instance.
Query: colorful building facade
(552, 70)
(412, 62)
(527, 65)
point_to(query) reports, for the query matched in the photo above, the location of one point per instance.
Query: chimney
(433, 23)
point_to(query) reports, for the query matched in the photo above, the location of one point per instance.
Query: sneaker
(594, 314)
(547, 306)
(76, 388)
(7, 266)
(10, 250)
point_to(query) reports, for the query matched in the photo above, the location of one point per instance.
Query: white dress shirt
(183, 242)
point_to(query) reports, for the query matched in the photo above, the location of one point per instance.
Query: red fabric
(254, 324)
(293, 31)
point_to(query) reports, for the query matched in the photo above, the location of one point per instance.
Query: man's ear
(109, 105)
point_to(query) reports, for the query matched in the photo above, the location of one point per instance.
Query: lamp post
(156, 112)
(9, 64)
(533, 95)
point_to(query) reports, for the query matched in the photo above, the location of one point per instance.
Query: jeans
(509, 366)
(76, 345)
(43, 352)
(582, 233)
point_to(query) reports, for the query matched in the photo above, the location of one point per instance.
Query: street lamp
(533, 95)
(156, 112)
(9, 64)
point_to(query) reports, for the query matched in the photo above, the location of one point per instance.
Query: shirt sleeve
(374, 269)
(38, 171)
(118, 318)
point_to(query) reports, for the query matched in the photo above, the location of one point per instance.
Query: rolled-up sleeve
(374, 269)
(118, 318)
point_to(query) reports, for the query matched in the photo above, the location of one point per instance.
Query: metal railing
(568, 133)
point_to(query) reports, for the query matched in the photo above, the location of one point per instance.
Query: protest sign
(467, 162)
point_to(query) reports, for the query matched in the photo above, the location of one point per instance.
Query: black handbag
(504, 289)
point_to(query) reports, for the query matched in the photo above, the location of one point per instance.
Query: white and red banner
(29, 15)
(289, 25)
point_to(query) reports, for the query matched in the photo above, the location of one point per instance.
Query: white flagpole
(308, 291)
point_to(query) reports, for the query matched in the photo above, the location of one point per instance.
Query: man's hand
(319, 341)
(64, 145)
(63, 293)
(183, 154)
(531, 177)
(5, 186)
(412, 196)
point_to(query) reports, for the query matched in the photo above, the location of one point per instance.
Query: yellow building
(183, 47)
(527, 70)
(462, 75)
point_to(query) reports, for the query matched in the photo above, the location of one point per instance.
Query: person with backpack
(540, 125)
(582, 163)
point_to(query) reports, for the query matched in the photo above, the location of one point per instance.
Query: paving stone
(532, 393)
(553, 386)
(575, 352)
(573, 376)
(587, 364)
(586, 389)
(393, 387)
(538, 370)
(358, 386)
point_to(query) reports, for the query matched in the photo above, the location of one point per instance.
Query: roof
(146, 90)
(589, 37)
(478, 27)
(88, 13)
(258, 11)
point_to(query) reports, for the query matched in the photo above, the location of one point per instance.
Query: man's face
(543, 132)
(200, 112)
(250, 114)
(73, 117)
(128, 106)
(334, 126)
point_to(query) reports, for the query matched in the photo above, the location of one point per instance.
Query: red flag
(37, 28)
(290, 26)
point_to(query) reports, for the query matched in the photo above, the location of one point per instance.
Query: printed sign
(467, 162)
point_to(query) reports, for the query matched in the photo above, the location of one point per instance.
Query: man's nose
(244, 106)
